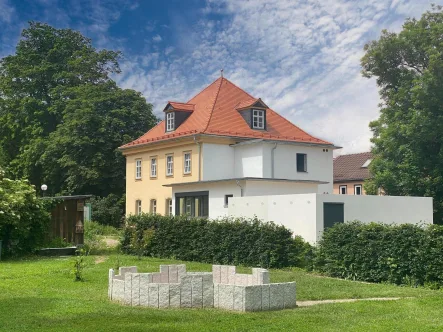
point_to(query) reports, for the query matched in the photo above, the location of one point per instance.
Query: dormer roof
(216, 112)
(176, 106)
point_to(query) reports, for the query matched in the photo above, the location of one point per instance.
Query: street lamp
(44, 187)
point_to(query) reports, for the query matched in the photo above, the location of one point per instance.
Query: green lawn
(39, 294)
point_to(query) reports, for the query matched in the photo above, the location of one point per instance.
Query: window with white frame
(138, 169)
(343, 190)
(258, 119)
(170, 121)
(153, 167)
(169, 165)
(153, 208)
(187, 163)
(138, 206)
(357, 189)
(169, 207)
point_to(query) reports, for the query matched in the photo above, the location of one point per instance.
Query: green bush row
(225, 241)
(402, 254)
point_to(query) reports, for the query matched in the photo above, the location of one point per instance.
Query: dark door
(332, 214)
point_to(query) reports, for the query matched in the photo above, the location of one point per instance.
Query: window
(153, 208)
(169, 165)
(169, 207)
(357, 189)
(170, 121)
(187, 163)
(138, 206)
(193, 204)
(258, 119)
(227, 200)
(366, 164)
(138, 169)
(343, 190)
(153, 167)
(302, 165)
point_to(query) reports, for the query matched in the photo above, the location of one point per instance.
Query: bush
(94, 242)
(402, 254)
(225, 241)
(108, 210)
(24, 218)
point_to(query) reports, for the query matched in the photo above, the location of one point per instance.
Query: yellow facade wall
(147, 188)
(350, 187)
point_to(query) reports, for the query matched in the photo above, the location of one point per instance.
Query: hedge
(247, 242)
(402, 254)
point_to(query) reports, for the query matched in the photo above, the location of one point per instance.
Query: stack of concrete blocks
(171, 287)
(223, 288)
(250, 292)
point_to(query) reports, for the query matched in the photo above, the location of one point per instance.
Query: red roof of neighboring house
(215, 113)
(348, 167)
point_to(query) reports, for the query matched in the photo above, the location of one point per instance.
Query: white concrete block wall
(232, 291)
(218, 162)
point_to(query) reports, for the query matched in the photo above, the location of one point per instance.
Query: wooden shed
(67, 218)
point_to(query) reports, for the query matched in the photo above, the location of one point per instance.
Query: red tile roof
(215, 112)
(180, 106)
(348, 167)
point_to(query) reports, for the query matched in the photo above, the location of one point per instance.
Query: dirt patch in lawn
(100, 259)
(110, 242)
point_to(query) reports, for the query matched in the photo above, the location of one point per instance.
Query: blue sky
(300, 57)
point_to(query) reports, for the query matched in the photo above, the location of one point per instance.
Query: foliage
(62, 117)
(24, 218)
(92, 227)
(225, 241)
(402, 254)
(108, 210)
(407, 140)
(94, 237)
(79, 264)
(57, 242)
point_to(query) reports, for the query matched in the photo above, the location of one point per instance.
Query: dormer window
(258, 119)
(170, 121)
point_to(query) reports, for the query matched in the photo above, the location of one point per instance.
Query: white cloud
(157, 38)
(6, 11)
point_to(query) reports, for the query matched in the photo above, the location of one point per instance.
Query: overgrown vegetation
(24, 218)
(403, 254)
(226, 241)
(108, 210)
(94, 237)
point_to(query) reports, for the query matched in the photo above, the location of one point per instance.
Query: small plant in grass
(79, 264)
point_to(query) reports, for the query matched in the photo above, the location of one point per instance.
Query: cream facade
(350, 188)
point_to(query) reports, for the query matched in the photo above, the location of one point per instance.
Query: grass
(39, 294)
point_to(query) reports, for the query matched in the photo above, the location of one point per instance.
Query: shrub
(94, 242)
(24, 218)
(399, 254)
(226, 241)
(108, 210)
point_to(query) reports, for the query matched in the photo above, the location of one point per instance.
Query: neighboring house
(221, 143)
(350, 173)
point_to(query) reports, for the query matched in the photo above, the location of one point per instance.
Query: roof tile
(348, 167)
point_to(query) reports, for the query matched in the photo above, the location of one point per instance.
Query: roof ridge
(207, 87)
(239, 88)
(213, 105)
(353, 154)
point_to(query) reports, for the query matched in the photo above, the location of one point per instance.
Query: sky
(301, 57)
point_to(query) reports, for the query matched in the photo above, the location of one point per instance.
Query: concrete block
(173, 274)
(135, 289)
(208, 291)
(163, 295)
(253, 298)
(244, 279)
(197, 291)
(118, 290)
(290, 295)
(181, 271)
(265, 297)
(223, 274)
(239, 298)
(174, 295)
(164, 274)
(252, 280)
(144, 288)
(216, 293)
(276, 296)
(186, 292)
(226, 296)
(231, 275)
(110, 280)
(156, 277)
(126, 269)
(128, 288)
(216, 273)
(264, 277)
(153, 295)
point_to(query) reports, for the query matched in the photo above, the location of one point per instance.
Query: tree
(407, 137)
(62, 117)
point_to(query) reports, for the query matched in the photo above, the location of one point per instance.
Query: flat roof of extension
(244, 179)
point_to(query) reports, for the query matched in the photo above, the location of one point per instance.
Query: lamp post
(44, 187)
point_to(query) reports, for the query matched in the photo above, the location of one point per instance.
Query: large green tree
(62, 117)
(408, 136)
